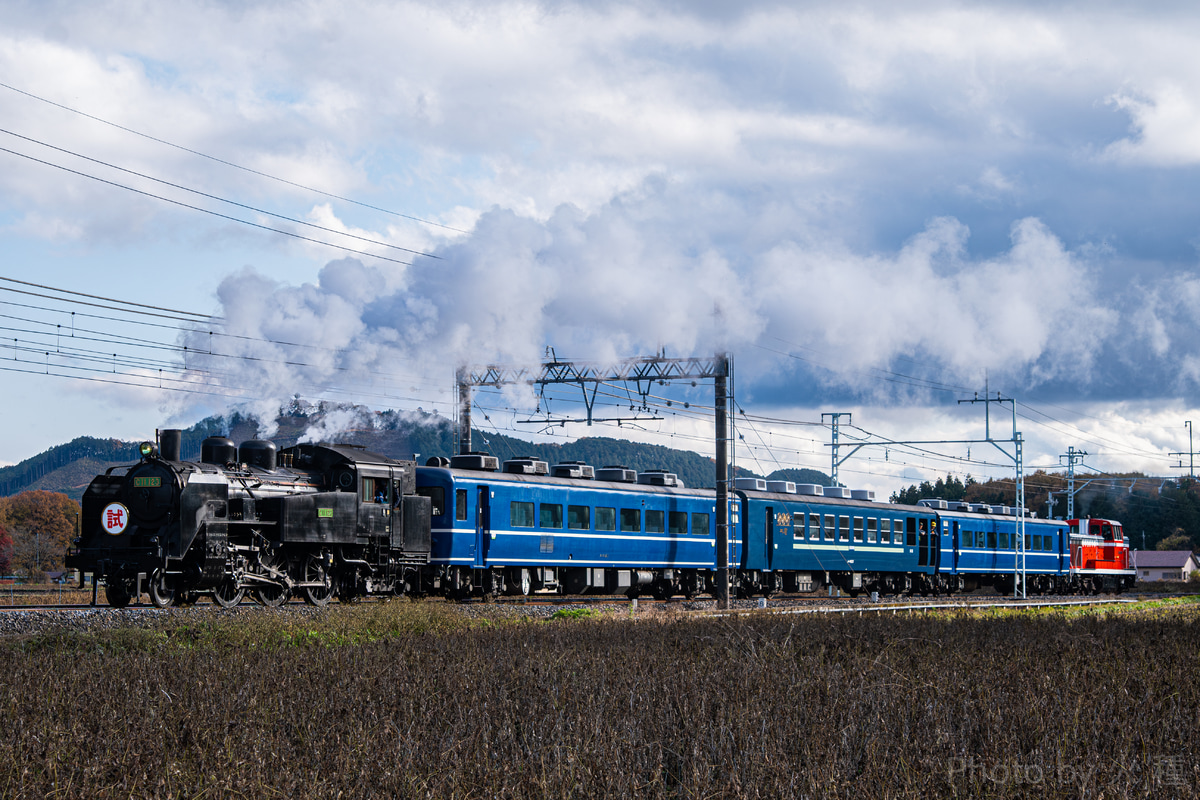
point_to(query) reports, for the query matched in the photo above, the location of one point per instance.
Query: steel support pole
(722, 441)
(464, 412)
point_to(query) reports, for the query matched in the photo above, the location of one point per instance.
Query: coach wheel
(228, 594)
(662, 590)
(161, 589)
(314, 572)
(117, 592)
(520, 583)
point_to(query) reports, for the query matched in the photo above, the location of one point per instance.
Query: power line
(206, 210)
(221, 199)
(230, 163)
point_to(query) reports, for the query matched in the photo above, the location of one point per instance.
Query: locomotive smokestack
(170, 444)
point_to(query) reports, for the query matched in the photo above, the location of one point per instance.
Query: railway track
(788, 604)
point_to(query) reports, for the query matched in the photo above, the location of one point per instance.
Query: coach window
(858, 529)
(830, 528)
(631, 520)
(606, 519)
(551, 516)
(967, 539)
(655, 522)
(911, 532)
(814, 526)
(843, 529)
(1037, 542)
(980, 539)
(678, 523)
(579, 518)
(700, 524)
(437, 499)
(872, 531)
(991, 540)
(885, 531)
(460, 504)
(1028, 541)
(521, 514)
(1004, 541)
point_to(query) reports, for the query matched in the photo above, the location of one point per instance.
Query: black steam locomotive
(313, 520)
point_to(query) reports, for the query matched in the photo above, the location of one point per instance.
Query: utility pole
(835, 418)
(1018, 458)
(1073, 457)
(1191, 453)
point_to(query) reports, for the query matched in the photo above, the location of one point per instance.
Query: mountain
(68, 468)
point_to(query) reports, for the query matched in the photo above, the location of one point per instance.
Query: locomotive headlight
(146, 449)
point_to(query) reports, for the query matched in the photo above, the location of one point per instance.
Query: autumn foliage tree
(5, 550)
(40, 525)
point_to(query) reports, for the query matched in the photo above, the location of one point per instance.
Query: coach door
(483, 526)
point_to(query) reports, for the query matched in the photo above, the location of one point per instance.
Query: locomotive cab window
(437, 499)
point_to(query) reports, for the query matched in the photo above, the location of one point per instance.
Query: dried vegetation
(420, 700)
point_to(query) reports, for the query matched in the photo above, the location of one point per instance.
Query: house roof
(1161, 558)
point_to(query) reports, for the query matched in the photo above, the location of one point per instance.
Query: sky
(880, 210)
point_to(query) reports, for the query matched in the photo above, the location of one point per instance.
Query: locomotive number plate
(325, 513)
(147, 483)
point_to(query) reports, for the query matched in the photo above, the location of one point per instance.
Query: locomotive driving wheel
(315, 573)
(272, 595)
(228, 594)
(161, 589)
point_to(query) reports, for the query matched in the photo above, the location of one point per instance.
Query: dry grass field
(425, 700)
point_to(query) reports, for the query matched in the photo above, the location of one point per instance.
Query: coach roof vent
(837, 491)
(981, 508)
(862, 494)
(616, 474)
(958, 505)
(929, 502)
(750, 484)
(573, 469)
(476, 461)
(782, 487)
(526, 465)
(813, 489)
(1005, 510)
(659, 477)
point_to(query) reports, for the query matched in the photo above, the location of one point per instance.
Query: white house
(1164, 565)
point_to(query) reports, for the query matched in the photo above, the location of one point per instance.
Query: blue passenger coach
(524, 527)
(573, 528)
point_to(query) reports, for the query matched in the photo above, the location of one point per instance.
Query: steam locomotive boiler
(313, 520)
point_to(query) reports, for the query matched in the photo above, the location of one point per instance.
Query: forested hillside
(69, 467)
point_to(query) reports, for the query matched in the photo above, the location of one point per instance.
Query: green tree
(1178, 540)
